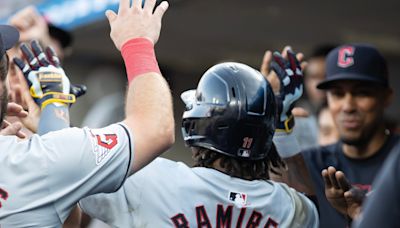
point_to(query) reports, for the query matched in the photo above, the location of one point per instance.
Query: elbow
(168, 136)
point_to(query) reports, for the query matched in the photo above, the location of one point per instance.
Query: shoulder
(160, 170)
(320, 157)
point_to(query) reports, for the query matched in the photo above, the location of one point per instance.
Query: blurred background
(199, 33)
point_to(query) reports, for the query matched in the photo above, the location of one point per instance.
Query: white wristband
(286, 144)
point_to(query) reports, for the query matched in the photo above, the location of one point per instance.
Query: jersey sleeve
(305, 212)
(83, 162)
(60, 168)
(97, 160)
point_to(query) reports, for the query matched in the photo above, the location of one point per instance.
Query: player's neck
(216, 165)
(369, 148)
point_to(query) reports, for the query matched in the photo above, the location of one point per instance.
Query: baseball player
(229, 123)
(44, 177)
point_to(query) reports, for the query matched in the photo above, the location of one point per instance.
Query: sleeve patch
(103, 143)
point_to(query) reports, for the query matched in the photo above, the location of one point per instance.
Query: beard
(364, 137)
(354, 141)
(3, 104)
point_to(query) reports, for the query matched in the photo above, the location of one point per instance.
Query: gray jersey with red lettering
(43, 178)
(170, 194)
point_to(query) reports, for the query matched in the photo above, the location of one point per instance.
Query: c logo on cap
(345, 57)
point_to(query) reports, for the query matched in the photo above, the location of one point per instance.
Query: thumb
(111, 16)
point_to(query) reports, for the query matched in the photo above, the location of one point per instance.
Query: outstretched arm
(286, 80)
(48, 85)
(135, 31)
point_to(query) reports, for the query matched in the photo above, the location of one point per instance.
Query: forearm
(149, 102)
(53, 117)
(296, 175)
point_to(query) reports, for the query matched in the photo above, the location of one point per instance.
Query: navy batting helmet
(232, 112)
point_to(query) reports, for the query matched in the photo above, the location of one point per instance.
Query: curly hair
(245, 169)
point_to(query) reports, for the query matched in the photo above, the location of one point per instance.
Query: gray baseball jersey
(170, 194)
(43, 178)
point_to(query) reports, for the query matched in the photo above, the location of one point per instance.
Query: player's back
(170, 194)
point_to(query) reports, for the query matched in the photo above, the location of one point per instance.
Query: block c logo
(345, 57)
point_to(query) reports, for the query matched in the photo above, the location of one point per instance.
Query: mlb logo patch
(244, 153)
(238, 198)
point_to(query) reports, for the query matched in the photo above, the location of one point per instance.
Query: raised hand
(288, 69)
(344, 197)
(13, 128)
(46, 79)
(133, 21)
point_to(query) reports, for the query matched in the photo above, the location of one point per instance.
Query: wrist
(139, 57)
(285, 126)
(56, 98)
(286, 144)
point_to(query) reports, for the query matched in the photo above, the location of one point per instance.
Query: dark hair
(245, 169)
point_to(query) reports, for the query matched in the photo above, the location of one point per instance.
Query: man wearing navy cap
(358, 92)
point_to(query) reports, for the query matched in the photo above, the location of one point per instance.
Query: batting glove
(291, 88)
(46, 79)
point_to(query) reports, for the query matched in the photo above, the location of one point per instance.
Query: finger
(342, 181)
(303, 65)
(265, 63)
(325, 177)
(12, 129)
(332, 178)
(285, 50)
(294, 63)
(38, 51)
(52, 56)
(148, 5)
(33, 62)
(278, 65)
(111, 16)
(300, 112)
(356, 195)
(16, 94)
(23, 67)
(14, 109)
(124, 5)
(161, 9)
(300, 56)
(278, 58)
(78, 90)
(137, 4)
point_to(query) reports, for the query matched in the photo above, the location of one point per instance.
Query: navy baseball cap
(359, 62)
(9, 36)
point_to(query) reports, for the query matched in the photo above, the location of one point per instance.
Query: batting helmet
(232, 112)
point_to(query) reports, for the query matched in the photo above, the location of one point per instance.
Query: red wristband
(139, 57)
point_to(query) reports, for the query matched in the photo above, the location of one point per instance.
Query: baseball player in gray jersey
(42, 178)
(229, 123)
